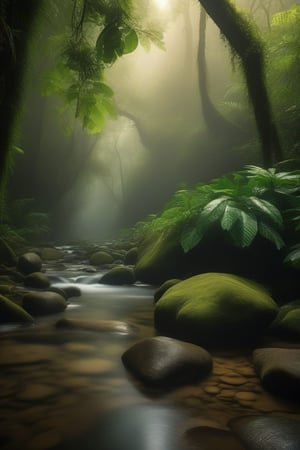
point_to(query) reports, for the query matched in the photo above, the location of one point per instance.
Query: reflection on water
(66, 389)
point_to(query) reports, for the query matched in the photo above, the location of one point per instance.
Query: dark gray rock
(29, 262)
(43, 303)
(118, 276)
(37, 280)
(267, 433)
(279, 370)
(71, 291)
(165, 362)
(208, 438)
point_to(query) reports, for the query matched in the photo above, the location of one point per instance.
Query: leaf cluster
(243, 205)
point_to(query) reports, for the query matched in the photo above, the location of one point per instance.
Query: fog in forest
(93, 185)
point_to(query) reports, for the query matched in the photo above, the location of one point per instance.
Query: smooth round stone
(26, 354)
(89, 366)
(29, 262)
(234, 380)
(37, 392)
(207, 438)
(267, 433)
(212, 390)
(226, 394)
(246, 396)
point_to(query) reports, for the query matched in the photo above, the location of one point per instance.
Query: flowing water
(58, 385)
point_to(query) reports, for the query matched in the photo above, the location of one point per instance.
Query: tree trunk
(16, 20)
(249, 48)
(215, 122)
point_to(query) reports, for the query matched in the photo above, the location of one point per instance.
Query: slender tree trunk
(215, 122)
(249, 48)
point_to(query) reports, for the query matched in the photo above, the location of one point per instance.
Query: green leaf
(245, 229)
(272, 235)
(266, 208)
(214, 209)
(190, 237)
(230, 216)
(131, 41)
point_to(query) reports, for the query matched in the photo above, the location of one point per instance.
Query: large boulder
(165, 362)
(215, 309)
(10, 312)
(164, 287)
(29, 262)
(131, 256)
(100, 258)
(279, 370)
(118, 276)
(44, 303)
(267, 433)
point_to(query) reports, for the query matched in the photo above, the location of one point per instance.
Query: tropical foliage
(100, 32)
(242, 205)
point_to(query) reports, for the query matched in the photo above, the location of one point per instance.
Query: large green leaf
(272, 235)
(131, 40)
(191, 235)
(214, 210)
(267, 209)
(230, 216)
(244, 230)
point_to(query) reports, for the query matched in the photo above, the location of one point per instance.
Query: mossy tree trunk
(16, 21)
(214, 120)
(247, 45)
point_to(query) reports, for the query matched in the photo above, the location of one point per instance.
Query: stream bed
(68, 389)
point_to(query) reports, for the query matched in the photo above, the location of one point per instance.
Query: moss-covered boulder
(100, 258)
(164, 287)
(37, 280)
(215, 309)
(118, 276)
(44, 303)
(49, 253)
(287, 322)
(12, 313)
(131, 256)
(29, 262)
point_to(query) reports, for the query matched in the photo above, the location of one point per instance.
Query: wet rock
(267, 433)
(165, 362)
(100, 258)
(29, 262)
(208, 438)
(49, 253)
(98, 326)
(43, 303)
(118, 276)
(10, 312)
(279, 370)
(37, 280)
(131, 256)
(164, 287)
(215, 309)
(71, 291)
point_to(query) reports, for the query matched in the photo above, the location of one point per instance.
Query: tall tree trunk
(16, 21)
(249, 48)
(215, 122)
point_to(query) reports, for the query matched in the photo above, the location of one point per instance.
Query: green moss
(10, 312)
(215, 308)
(99, 258)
